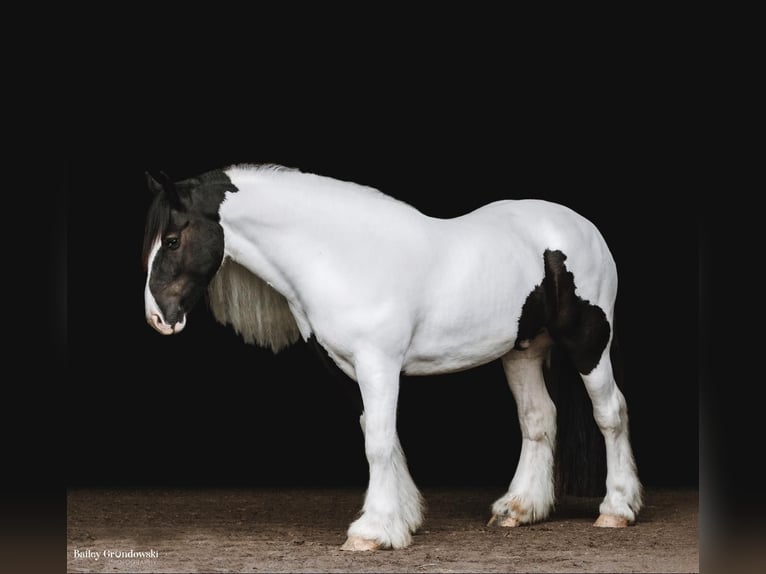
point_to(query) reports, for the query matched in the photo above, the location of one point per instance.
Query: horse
(386, 290)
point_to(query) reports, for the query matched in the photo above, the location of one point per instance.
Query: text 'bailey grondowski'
(95, 554)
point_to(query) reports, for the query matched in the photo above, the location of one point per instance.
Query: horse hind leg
(585, 332)
(623, 497)
(530, 496)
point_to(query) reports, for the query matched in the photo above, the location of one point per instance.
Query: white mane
(278, 172)
(255, 310)
(262, 167)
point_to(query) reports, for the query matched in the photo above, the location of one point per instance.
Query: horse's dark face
(183, 249)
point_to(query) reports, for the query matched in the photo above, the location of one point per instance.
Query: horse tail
(580, 455)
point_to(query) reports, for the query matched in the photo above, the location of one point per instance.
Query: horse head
(183, 246)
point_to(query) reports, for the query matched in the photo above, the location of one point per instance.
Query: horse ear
(163, 183)
(154, 186)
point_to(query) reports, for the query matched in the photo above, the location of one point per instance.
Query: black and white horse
(385, 290)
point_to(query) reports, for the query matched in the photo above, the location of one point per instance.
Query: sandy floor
(302, 530)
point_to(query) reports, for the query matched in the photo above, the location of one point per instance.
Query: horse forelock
(157, 220)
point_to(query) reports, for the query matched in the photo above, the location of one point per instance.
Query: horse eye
(172, 242)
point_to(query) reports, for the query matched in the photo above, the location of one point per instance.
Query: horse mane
(263, 167)
(252, 307)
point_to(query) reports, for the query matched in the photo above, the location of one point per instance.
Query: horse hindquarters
(583, 330)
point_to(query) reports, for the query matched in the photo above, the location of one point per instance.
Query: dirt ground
(294, 530)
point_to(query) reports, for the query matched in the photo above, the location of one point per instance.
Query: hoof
(503, 522)
(358, 544)
(611, 521)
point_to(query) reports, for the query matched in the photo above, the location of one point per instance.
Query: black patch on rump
(572, 322)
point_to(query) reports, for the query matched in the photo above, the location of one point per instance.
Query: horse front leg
(393, 507)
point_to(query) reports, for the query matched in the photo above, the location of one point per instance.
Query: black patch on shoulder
(348, 384)
(578, 326)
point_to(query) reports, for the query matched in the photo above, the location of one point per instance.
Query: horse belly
(458, 355)
(464, 330)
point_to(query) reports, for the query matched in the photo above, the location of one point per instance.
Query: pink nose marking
(160, 325)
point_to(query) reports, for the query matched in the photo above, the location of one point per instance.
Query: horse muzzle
(159, 324)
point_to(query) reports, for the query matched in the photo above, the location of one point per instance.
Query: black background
(607, 136)
(637, 116)
(204, 408)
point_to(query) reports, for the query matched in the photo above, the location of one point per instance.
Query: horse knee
(378, 452)
(378, 446)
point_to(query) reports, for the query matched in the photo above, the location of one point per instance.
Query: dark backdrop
(607, 132)
(203, 408)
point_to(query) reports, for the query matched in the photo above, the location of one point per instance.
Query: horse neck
(275, 219)
(251, 290)
(288, 228)
(288, 198)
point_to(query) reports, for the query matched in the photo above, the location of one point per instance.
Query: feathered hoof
(611, 521)
(503, 521)
(359, 544)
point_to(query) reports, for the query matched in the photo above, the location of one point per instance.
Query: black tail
(580, 459)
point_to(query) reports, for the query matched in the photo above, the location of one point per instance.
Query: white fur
(530, 496)
(623, 490)
(386, 289)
